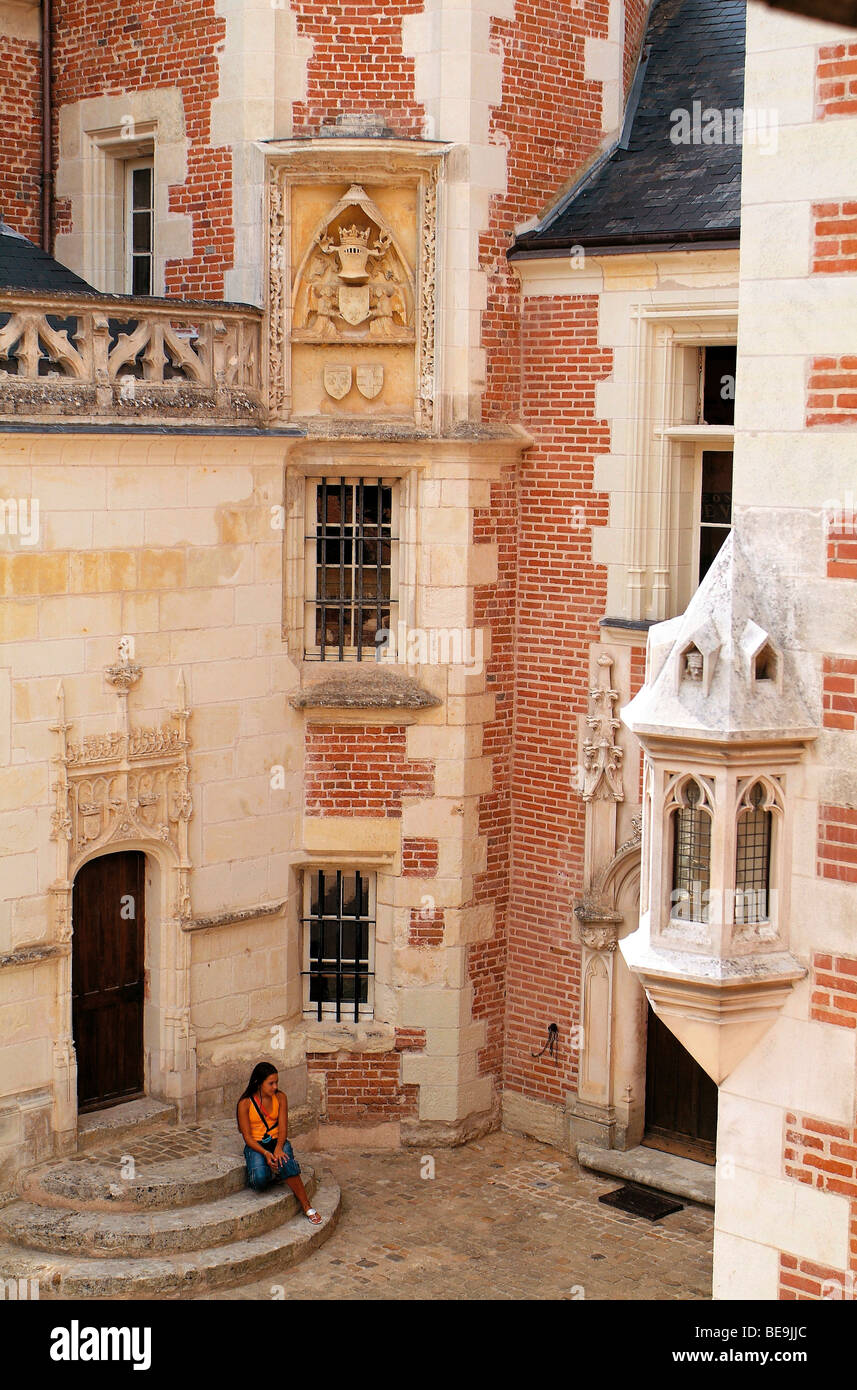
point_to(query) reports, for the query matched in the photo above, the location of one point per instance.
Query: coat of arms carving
(337, 381)
(370, 380)
(353, 266)
(354, 281)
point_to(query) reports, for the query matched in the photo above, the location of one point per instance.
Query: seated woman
(263, 1118)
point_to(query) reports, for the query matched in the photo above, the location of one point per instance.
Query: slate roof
(655, 191)
(24, 266)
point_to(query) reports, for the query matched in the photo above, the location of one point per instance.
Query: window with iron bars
(338, 945)
(753, 860)
(691, 879)
(352, 558)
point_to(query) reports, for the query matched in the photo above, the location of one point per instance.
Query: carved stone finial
(601, 774)
(124, 675)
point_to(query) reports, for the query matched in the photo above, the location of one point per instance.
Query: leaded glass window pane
(691, 859)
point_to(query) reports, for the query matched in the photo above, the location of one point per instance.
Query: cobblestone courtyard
(503, 1217)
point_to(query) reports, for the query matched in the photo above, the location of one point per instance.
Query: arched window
(753, 858)
(691, 878)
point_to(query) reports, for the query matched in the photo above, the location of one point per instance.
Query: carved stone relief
(352, 291)
(601, 770)
(124, 784)
(354, 281)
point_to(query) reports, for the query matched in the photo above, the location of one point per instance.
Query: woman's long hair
(260, 1073)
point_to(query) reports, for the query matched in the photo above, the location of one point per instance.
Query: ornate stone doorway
(123, 794)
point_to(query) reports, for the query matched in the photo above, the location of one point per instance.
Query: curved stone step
(69, 1276)
(138, 1234)
(163, 1183)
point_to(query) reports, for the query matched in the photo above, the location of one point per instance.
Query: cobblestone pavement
(504, 1217)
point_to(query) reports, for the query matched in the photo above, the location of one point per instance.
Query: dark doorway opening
(107, 981)
(681, 1099)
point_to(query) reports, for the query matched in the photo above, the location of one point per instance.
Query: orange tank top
(257, 1128)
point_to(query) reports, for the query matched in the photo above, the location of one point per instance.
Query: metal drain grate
(641, 1201)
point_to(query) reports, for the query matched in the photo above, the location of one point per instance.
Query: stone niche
(352, 285)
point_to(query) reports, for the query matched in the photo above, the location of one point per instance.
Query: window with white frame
(338, 944)
(351, 563)
(678, 508)
(140, 226)
(713, 484)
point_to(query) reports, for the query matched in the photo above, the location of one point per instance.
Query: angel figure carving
(388, 305)
(319, 301)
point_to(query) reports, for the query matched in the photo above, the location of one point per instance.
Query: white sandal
(310, 1213)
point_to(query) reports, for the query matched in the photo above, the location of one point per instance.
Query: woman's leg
(258, 1171)
(299, 1190)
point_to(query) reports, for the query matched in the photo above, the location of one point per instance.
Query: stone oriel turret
(724, 718)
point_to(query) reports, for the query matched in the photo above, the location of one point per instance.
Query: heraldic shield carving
(354, 283)
(337, 381)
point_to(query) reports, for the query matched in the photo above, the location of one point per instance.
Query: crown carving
(354, 236)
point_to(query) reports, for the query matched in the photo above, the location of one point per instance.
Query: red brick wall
(494, 607)
(361, 770)
(357, 64)
(834, 238)
(367, 1086)
(425, 927)
(842, 553)
(839, 686)
(837, 843)
(419, 858)
(107, 48)
(804, 1279)
(636, 14)
(836, 80)
(20, 136)
(823, 1156)
(831, 397)
(551, 119)
(561, 596)
(834, 990)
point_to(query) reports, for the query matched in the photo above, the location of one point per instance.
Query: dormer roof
(723, 672)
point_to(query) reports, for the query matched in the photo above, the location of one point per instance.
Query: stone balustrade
(106, 359)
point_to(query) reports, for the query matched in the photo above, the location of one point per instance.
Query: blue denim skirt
(259, 1173)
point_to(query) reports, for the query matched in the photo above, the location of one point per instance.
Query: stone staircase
(174, 1221)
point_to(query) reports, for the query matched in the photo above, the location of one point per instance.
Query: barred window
(691, 858)
(351, 567)
(753, 860)
(338, 944)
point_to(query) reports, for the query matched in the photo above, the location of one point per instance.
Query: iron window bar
(753, 861)
(691, 859)
(338, 968)
(342, 542)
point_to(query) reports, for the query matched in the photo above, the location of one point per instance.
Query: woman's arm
(244, 1126)
(283, 1120)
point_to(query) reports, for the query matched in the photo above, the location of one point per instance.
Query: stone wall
(787, 1111)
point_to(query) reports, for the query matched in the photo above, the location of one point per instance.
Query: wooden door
(681, 1099)
(108, 923)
